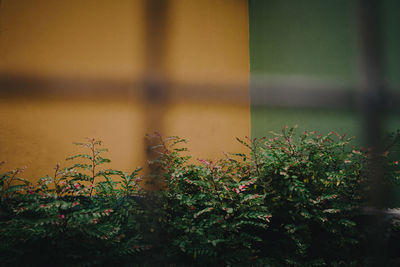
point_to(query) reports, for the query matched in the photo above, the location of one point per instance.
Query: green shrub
(57, 222)
(209, 217)
(290, 201)
(10, 184)
(313, 187)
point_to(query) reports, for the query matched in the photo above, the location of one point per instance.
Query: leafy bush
(56, 223)
(291, 201)
(209, 216)
(313, 190)
(298, 201)
(10, 183)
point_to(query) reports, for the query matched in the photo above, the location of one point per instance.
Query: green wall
(314, 40)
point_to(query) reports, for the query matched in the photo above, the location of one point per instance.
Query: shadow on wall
(89, 72)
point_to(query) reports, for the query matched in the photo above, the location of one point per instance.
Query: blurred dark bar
(155, 80)
(371, 101)
(371, 94)
(302, 96)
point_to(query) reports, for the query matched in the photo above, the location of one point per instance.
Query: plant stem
(93, 167)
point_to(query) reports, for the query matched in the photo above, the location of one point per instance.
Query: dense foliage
(291, 201)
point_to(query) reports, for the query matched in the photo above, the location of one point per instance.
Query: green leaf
(84, 156)
(80, 177)
(101, 160)
(108, 172)
(243, 142)
(331, 211)
(5, 176)
(202, 212)
(15, 188)
(81, 166)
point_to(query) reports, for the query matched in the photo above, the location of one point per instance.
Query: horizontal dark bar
(35, 86)
(13, 86)
(285, 97)
(262, 94)
(301, 98)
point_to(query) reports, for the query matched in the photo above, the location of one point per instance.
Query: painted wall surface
(312, 41)
(207, 43)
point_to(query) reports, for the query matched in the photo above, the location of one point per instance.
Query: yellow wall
(207, 43)
(72, 37)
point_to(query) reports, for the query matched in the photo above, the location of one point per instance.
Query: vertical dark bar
(371, 100)
(155, 85)
(371, 87)
(1, 5)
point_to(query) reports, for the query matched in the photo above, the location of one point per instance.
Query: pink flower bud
(57, 166)
(108, 211)
(242, 187)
